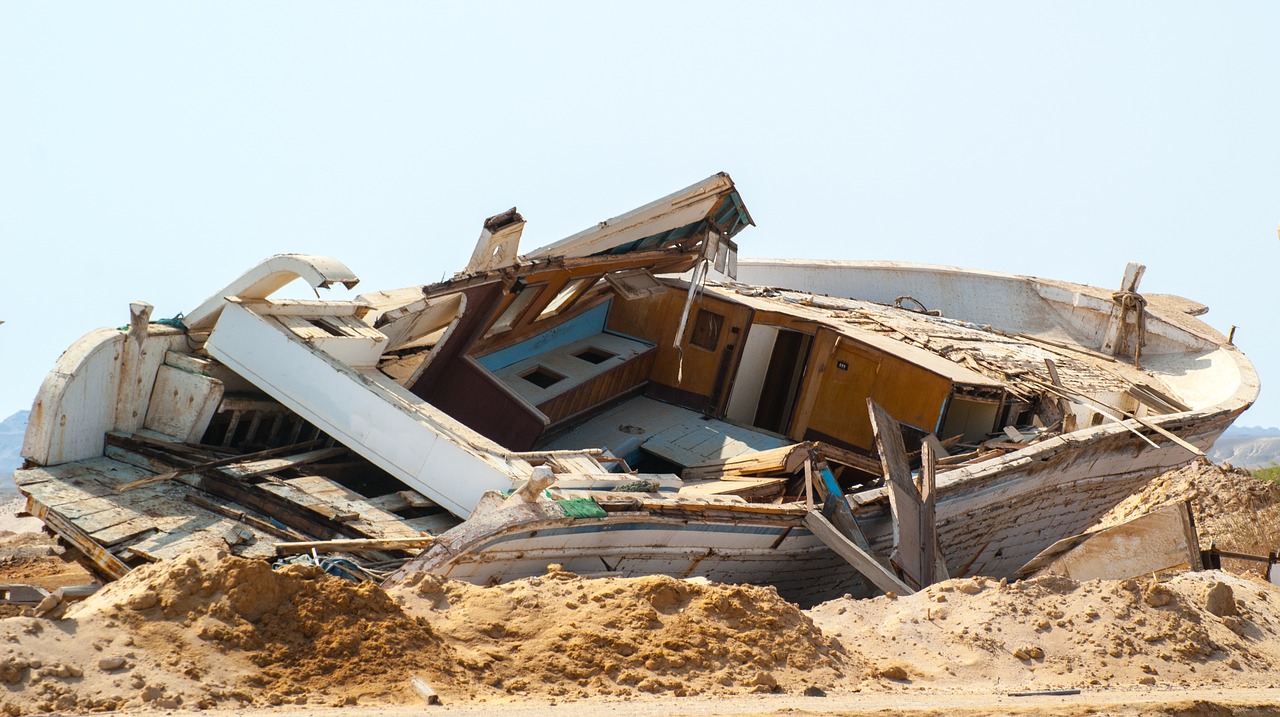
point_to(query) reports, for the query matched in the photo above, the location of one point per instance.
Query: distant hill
(11, 432)
(1248, 447)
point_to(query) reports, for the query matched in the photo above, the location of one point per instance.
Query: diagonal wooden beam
(201, 467)
(861, 560)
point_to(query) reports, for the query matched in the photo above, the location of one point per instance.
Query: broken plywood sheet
(182, 404)
(1161, 540)
(745, 487)
(401, 500)
(701, 440)
(435, 524)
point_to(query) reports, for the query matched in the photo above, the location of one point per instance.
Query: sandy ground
(916, 703)
(9, 519)
(214, 631)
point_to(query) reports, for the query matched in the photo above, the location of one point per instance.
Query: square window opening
(591, 354)
(542, 377)
(706, 330)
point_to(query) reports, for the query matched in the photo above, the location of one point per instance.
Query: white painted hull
(990, 522)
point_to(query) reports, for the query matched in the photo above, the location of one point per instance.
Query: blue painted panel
(579, 327)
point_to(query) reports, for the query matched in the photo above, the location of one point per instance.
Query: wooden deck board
(701, 440)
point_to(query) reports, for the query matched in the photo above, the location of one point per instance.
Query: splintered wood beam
(242, 517)
(1063, 404)
(845, 457)
(904, 498)
(755, 463)
(201, 467)
(911, 501)
(355, 546)
(934, 567)
(861, 560)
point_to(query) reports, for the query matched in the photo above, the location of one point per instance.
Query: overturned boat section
(630, 400)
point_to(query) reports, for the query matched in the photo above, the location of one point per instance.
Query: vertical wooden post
(131, 399)
(1114, 342)
(915, 530)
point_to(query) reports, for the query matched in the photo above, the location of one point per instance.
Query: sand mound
(563, 635)
(212, 630)
(1198, 629)
(1218, 494)
(218, 630)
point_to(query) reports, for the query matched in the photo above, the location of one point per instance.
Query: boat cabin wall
(809, 381)
(514, 321)
(469, 393)
(782, 373)
(850, 374)
(698, 374)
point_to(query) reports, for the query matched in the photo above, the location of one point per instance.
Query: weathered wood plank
(355, 545)
(861, 560)
(904, 498)
(200, 467)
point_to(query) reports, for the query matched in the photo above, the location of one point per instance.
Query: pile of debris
(32, 565)
(212, 630)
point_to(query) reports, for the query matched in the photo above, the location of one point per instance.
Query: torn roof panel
(713, 203)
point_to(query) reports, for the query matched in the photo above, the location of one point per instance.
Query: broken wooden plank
(201, 467)
(846, 457)
(1014, 435)
(241, 516)
(861, 560)
(1106, 410)
(355, 545)
(939, 448)
(934, 566)
(370, 520)
(959, 458)
(904, 497)
(102, 560)
(254, 469)
(1156, 399)
(744, 487)
(755, 463)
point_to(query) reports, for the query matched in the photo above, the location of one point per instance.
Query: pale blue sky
(156, 150)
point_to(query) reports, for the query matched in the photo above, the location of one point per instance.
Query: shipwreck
(633, 399)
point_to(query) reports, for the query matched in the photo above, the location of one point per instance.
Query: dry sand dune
(215, 631)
